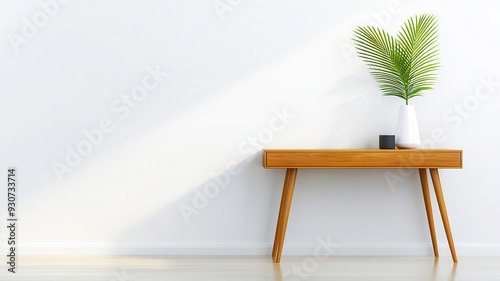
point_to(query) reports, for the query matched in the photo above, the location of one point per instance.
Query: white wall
(281, 72)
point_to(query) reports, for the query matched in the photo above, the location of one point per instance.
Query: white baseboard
(255, 250)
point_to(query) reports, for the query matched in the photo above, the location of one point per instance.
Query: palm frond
(403, 66)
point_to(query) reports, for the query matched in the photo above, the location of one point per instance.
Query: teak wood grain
(362, 158)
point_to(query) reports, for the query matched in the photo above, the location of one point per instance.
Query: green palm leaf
(404, 66)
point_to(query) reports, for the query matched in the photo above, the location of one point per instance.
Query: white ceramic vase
(407, 134)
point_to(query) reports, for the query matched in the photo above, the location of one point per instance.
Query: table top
(362, 158)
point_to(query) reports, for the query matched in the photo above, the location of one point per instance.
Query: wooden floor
(253, 268)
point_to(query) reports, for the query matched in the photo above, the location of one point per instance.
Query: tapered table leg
(286, 203)
(428, 208)
(280, 214)
(442, 209)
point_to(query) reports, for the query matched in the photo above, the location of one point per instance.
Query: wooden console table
(420, 159)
